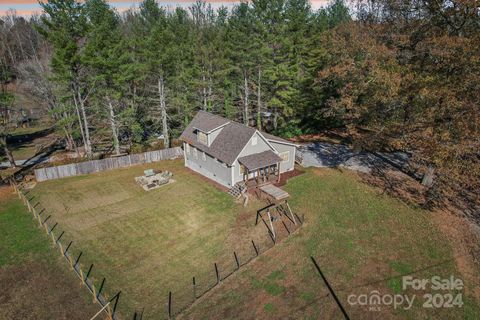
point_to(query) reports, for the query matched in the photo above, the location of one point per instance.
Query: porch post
(278, 168)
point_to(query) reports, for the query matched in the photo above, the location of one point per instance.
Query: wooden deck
(274, 192)
(253, 183)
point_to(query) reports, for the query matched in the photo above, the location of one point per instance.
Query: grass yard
(147, 243)
(362, 240)
(35, 282)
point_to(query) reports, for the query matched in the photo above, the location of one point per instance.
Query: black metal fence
(230, 262)
(192, 289)
(99, 293)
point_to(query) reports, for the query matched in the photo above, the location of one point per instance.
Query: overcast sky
(26, 7)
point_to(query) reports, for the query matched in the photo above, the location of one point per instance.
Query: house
(229, 152)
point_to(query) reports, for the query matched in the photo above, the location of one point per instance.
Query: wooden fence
(75, 169)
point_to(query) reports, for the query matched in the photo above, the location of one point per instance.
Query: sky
(27, 7)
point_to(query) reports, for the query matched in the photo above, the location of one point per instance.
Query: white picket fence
(75, 169)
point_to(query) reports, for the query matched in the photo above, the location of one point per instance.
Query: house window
(202, 138)
(242, 169)
(284, 156)
(254, 141)
(187, 148)
(195, 154)
(204, 156)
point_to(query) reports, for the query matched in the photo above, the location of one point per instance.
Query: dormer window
(202, 138)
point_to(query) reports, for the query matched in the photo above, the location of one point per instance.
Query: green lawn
(35, 282)
(146, 243)
(362, 240)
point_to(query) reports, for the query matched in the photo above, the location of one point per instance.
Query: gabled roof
(229, 143)
(208, 122)
(271, 137)
(260, 160)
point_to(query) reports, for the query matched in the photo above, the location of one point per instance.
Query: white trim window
(187, 148)
(204, 156)
(254, 140)
(284, 156)
(195, 153)
(202, 137)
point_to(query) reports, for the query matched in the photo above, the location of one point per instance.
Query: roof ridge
(229, 120)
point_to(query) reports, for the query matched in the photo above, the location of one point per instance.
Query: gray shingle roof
(227, 145)
(260, 160)
(230, 141)
(269, 136)
(207, 122)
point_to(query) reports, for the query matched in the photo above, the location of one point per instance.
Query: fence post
(78, 258)
(116, 297)
(88, 273)
(60, 237)
(255, 248)
(46, 219)
(194, 289)
(236, 260)
(216, 272)
(68, 247)
(169, 304)
(100, 290)
(41, 212)
(68, 256)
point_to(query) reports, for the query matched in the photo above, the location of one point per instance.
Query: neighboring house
(229, 152)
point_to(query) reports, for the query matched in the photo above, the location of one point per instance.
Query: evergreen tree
(65, 26)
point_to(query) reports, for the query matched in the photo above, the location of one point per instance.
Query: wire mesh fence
(189, 289)
(60, 241)
(226, 264)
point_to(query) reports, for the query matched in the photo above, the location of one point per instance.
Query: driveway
(40, 158)
(322, 154)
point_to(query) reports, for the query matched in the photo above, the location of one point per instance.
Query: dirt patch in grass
(396, 184)
(465, 239)
(35, 290)
(35, 283)
(6, 193)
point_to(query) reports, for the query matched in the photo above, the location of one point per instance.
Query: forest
(389, 74)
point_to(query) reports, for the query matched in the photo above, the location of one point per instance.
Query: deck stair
(237, 190)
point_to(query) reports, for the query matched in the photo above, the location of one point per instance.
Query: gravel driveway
(321, 154)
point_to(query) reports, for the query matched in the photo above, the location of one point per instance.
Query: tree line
(393, 75)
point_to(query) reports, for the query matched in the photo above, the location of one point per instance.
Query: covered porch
(260, 168)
